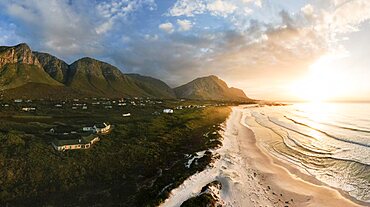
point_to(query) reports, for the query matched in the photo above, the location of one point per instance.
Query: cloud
(188, 8)
(349, 14)
(308, 10)
(184, 25)
(167, 27)
(195, 7)
(221, 7)
(113, 10)
(69, 28)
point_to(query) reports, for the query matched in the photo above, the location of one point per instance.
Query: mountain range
(30, 74)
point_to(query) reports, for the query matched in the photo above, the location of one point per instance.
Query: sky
(272, 49)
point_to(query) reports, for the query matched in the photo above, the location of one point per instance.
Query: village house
(168, 111)
(98, 128)
(126, 115)
(88, 129)
(102, 128)
(75, 144)
(27, 109)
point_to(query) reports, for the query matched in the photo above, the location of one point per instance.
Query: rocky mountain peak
(20, 53)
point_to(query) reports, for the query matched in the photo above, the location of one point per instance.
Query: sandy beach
(251, 177)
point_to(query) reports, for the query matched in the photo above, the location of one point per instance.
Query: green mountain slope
(14, 75)
(153, 87)
(42, 91)
(100, 78)
(209, 88)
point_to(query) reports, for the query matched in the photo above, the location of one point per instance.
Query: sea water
(330, 141)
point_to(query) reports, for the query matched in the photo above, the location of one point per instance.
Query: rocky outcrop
(55, 67)
(209, 196)
(18, 54)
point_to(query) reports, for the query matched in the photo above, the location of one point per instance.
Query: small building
(75, 144)
(88, 129)
(18, 101)
(102, 128)
(168, 111)
(27, 109)
(126, 115)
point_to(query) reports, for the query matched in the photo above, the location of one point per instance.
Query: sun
(322, 83)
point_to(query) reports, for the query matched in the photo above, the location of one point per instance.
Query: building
(88, 129)
(126, 115)
(75, 144)
(168, 111)
(102, 128)
(28, 109)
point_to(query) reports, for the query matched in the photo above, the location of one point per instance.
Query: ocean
(330, 141)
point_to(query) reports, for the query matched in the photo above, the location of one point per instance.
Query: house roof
(100, 126)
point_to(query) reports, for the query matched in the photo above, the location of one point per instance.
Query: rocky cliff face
(56, 68)
(17, 54)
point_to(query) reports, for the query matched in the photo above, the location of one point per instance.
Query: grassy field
(137, 164)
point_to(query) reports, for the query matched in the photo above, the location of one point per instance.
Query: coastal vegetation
(137, 164)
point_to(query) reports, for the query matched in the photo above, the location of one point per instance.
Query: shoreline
(251, 177)
(309, 178)
(305, 182)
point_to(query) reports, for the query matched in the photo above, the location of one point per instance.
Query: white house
(83, 143)
(28, 109)
(126, 115)
(168, 111)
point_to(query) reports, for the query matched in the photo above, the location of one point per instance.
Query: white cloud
(54, 24)
(308, 10)
(105, 27)
(167, 27)
(194, 7)
(68, 28)
(221, 7)
(349, 14)
(112, 10)
(184, 25)
(188, 8)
